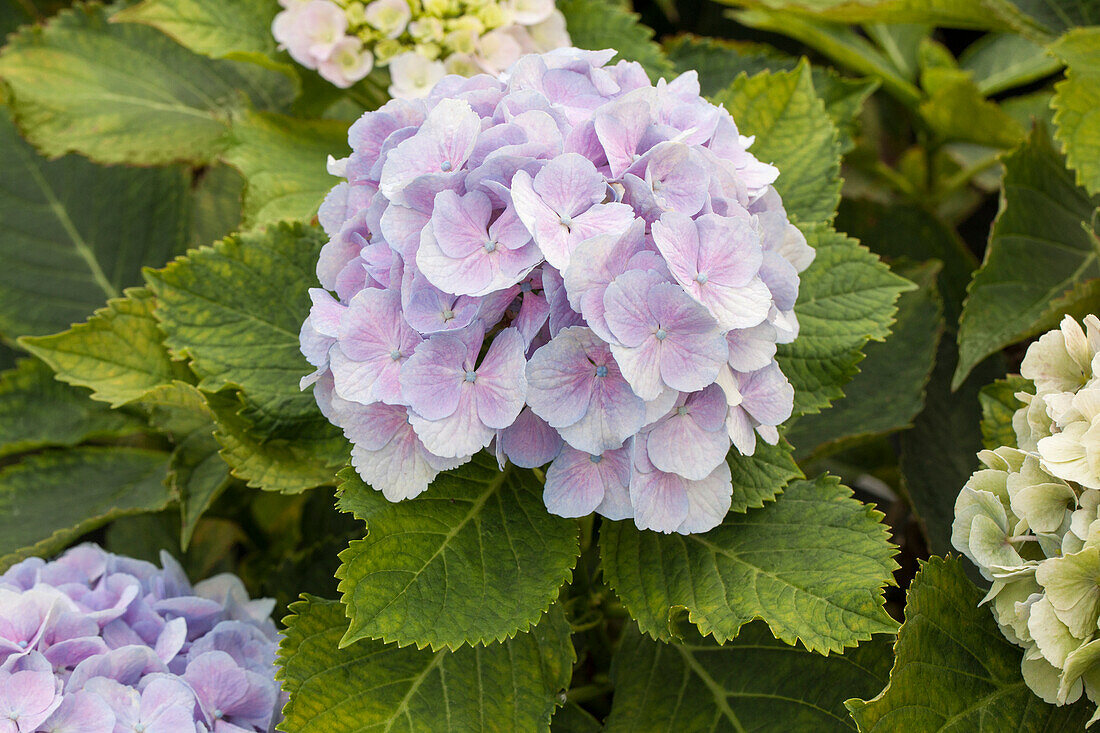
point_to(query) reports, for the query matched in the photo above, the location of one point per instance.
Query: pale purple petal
(500, 384)
(577, 481)
(432, 376)
(529, 442)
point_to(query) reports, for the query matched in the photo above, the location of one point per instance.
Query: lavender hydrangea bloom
(96, 643)
(567, 265)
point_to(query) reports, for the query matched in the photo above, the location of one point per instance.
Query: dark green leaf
(760, 477)
(812, 565)
(1039, 249)
(211, 27)
(1075, 103)
(954, 669)
(753, 682)
(472, 560)
(50, 499)
(998, 401)
(371, 686)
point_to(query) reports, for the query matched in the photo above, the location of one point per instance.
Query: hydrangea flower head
(566, 265)
(95, 643)
(420, 41)
(1030, 519)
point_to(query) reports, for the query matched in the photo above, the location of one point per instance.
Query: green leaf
(289, 459)
(235, 309)
(753, 682)
(198, 475)
(49, 499)
(599, 24)
(956, 110)
(718, 62)
(760, 477)
(1002, 61)
(812, 565)
(474, 559)
(947, 13)
(215, 205)
(76, 233)
(793, 132)
(126, 93)
(371, 686)
(998, 401)
(846, 298)
(1044, 20)
(1039, 249)
(888, 392)
(954, 669)
(283, 161)
(840, 43)
(1076, 103)
(37, 411)
(572, 718)
(939, 452)
(210, 27)
(118, 353)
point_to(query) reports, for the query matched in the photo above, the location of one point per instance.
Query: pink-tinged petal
(533, 314)
(402, 468)
(364, 381)
(459, 434)
(739, 427)
(708, 501)
(432, 377)
(574, 486)
(334, 209)
(28, 696)
(441, 145)
(641, 367)
(658, 407)
(401, 227)
(768, 396)
(639, 195)
(167, 706)
(673, 173)
(500, 385)
(372, 426)
(326, 312)
(781, 279)
(561, 378)
(509, 230)
(471, 274)
(611, 218)
(430, 310)
(599, 260)
(679, 444)
(620, 130)
(126, 665)
(71, 652)
(751, 348)
(616, 469)
(659, 499)
(460, 223)
(729, 249)
(693, 349)
(81, 712)
(627, 309)
(543, 223)
(313, 345)
(171, 639)
(529, 442)
(614, 411)
(561, 315)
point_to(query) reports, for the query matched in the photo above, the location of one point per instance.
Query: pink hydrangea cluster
(569, 264)
(97, 643)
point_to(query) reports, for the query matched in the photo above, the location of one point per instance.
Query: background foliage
(163, 162)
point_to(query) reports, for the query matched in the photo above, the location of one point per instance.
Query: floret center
(448, 314)
(395, 354)
(682, 410)
(490, 246)
(661, 334)
(218, 713)
(595, 459)
(601, 371)
(701, 278)
(656, 186)
(22, 643)
(471, 376)
(446, 166)
(566, 220)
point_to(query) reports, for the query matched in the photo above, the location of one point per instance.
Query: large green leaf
(954, 670)
(846, 298)
(371, 686)
(76, 233)
(211, 27)
(37, 411)
(599, 24)
(1077, 104)
(760, 477)
(215, 204)
(753, 682)
(126, 93)
(283, 161)
(1001, 61)
(888, 392)
(793, 131)
(198, 475)
(949, 13)
(939, 452)
(956, 111)
(236, 309)
(1039, 251)
(812, 565)
(1045, 19)
(289, 459)
(50, 499)
(999, 403)
(474, 559)
(118, 353)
